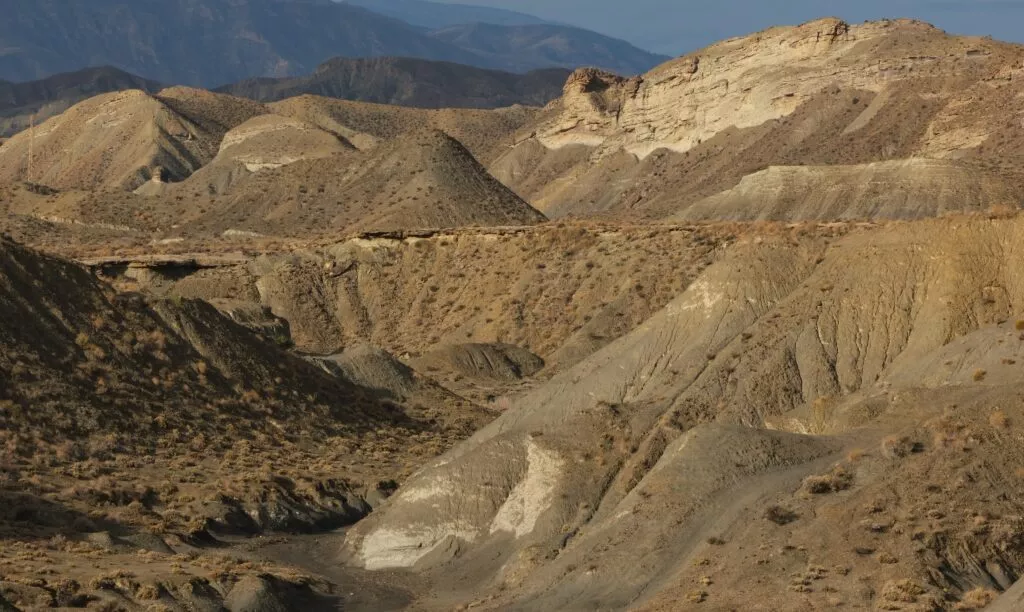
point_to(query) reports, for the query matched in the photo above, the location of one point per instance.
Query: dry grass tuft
(977, 599)
(839, 479)
(999, 420)
(902, 591)
(856, 455)
(897, 447)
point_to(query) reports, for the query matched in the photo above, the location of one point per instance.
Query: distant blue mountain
(213, 42)
(433, 15)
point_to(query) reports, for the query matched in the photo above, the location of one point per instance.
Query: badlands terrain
(386, 80)
(744, 332)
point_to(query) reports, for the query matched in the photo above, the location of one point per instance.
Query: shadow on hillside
(25, 516)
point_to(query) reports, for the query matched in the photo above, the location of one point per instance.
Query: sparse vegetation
(780, 515)
(781, 410)
(898, 447)
(977, 599)
(839, 479)
(999, 420)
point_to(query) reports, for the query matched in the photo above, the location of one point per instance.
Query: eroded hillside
(780, 372)
(821, 94)
(664, 427)
(560, 291)
(135, 425)
(118, 140)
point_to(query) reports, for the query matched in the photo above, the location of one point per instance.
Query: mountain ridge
(410, 82)
(53, 95)
(386, 80)
(172, 41)
(433, 15)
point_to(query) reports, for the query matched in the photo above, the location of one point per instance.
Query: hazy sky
(678, 26)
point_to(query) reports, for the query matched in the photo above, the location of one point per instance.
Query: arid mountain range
(175, 41)
(410, 82)
(435, 15)
(398, 81)
(744, 332)
(54, 95)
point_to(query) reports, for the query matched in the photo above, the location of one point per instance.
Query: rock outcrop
(820, 94)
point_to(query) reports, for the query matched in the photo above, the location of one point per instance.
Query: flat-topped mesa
(741, 82)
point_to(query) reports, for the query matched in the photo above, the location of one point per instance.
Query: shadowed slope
(410, 82)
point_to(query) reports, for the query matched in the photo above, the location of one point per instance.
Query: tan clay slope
(129, 425)
(559, 292)
(86, 368)
(599, 465)
(922, 515)
(189, 155)
(1012, 599)
(214, 112)
(263, 142)
(278, 176)
(271, 141)
(79, 354)
(115, 141)
(911, 188)
(824, 93)
(424, 179)
(486, 133)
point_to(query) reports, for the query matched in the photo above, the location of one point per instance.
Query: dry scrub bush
(897, 447)
(948, 432)
(1002, 211)
(839, 479)
(999, 420)
(902, 591)
(977, 599)
(780, 515)
(856, 455)
(149, 592)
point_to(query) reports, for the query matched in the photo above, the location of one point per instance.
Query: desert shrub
(856, 455)
(977, 599)
(149, 592)
(999, 420)
(780, 515)
(839, 479)
(902, 591)
(897, 447)
(948, 432)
